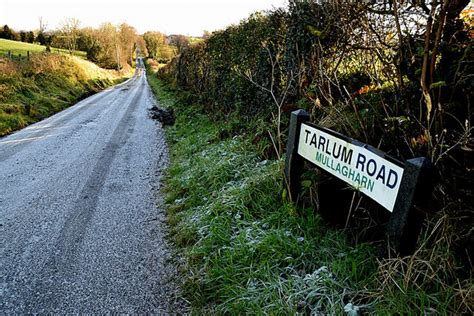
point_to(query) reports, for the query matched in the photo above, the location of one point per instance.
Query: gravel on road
(81, 226)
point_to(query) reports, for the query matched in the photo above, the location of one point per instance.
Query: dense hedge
(366, 70)
(341, 62)
(398, 78)
(210, 68)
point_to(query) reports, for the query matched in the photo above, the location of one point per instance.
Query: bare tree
(117, 50)
(277, 92)
(70, 30)
(42, 25)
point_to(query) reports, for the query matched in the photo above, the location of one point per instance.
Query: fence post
(10, 54)
(28, 55)
(293, 162)
(416, 186)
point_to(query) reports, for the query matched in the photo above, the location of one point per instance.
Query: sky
(187, 17)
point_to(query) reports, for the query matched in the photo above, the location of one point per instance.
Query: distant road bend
(79, 227)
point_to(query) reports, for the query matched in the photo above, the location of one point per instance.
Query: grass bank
(245, 250)
(47, 83)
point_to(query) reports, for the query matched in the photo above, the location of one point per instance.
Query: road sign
(394, 185)
(354, 164)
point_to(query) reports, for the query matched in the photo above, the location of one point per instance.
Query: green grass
(21, 48)
(245, 250)
(48, 83)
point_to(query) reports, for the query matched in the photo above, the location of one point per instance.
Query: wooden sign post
(387, 181)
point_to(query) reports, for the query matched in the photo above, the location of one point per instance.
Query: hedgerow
(394, 75)
(344, 64)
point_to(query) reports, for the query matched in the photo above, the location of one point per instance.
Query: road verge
(46, 84)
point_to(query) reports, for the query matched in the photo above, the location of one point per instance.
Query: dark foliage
(9, 34)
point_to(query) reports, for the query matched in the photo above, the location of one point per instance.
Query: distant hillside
(20, 48)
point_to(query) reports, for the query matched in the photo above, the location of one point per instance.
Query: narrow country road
(80, 229)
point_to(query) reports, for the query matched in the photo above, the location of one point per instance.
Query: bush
(405, 91)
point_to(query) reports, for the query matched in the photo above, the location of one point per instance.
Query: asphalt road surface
(80, 228)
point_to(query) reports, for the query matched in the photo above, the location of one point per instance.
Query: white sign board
(364, 170)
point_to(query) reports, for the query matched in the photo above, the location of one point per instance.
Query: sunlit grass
(20, 48)
(47, 83)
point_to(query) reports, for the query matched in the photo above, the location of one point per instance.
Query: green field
(20, 48)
